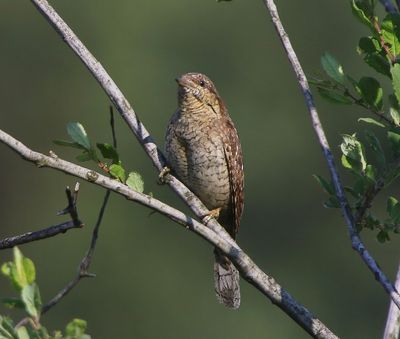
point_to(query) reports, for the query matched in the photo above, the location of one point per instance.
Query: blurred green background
(154, 279)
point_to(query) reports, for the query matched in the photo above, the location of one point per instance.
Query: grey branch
(248, 269)
(356, 241)
(52, 230)
(389, 7)
(392, 327)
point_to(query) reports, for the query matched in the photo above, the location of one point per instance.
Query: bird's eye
(202, 83)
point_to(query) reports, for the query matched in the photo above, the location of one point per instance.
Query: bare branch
(85, 263)
(356, 241)
(389, 7)
(248, 269)
(392, 327)
(52, 230)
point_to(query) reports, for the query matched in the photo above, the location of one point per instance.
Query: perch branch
(356, 241)
(248, 269)
(52, 230)
(126, 112)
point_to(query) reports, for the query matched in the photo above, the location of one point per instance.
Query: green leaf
(390, 32)
(334, 96)
(353, 151)
(394, 113)
(7, 329)
(326, 186)
(332, 68)
(108, 152)
(371, 92)
(376, 148)
(394, 140)
(371, 173)
(78, 134)
(76, 329)
(23, 333)
(332, 202)
(393, 209)
(383, 236)
(369, 45)
(395, 70)
(371, 121)
(117, 172)
(135, 182)
(360, 14)
(21, 271)
(68, 144)
(86, 156)
(31, 297)
(13, 303)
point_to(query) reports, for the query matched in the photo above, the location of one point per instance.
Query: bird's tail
(226, 281)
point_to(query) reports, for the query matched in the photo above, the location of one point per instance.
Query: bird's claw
(213, 214)
(162, 176)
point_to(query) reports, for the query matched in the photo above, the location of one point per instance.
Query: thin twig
(85, 263)
(83, 271)
(248, 269)
(52, 230)
(367, 201)
(356, 241)
(389, 7)
(392, 327)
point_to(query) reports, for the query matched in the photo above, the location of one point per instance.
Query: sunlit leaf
(135, 182)
(332, 68)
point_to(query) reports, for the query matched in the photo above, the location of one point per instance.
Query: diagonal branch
(52, 230)
(389, 7)
(126, 112)
(356, 241)
(248, 269)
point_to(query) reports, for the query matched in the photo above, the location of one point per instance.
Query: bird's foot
(162, 176)
(213, 214)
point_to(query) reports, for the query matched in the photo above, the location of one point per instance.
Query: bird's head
(197, 88)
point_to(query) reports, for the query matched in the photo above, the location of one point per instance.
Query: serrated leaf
(117, 172)
(334, 96)
(135, 182)
(109, 152)
(379, 63)
(78, 134)
(19, 275)
(332, 68)
(371, 121)
(31, 298)
(393, 209)
(68, 144)
(353, 151)
(395, 71)
(371, 92)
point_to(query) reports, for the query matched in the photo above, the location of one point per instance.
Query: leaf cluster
(380, 51)
(21, 273)
(111, 163)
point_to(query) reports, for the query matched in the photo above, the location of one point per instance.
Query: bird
(203, 151)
